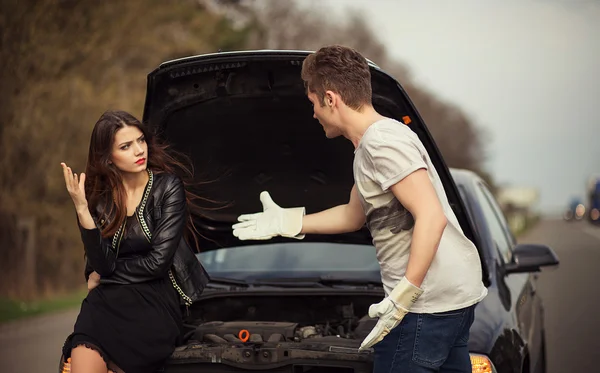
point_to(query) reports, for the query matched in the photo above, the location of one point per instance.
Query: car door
(519, 288)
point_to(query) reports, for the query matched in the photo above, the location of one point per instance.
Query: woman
(133, 212)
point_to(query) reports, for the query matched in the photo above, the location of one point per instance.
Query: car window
(500, 215)
(495, 221)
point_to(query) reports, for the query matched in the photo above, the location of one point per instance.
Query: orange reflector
(480, 364)
(244, 335)
(66, 366)
(406, 119)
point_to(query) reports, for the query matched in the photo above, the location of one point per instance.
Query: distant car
(594, 200)
(575, 211)
(284, 305)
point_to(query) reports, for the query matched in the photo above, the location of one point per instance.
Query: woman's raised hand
(75, 187)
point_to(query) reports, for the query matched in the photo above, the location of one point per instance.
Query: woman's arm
(98, 250)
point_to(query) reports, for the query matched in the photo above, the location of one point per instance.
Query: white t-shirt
(388, 152)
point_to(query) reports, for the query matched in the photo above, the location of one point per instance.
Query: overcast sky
(526, 70)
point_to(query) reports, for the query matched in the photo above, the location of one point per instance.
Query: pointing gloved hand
(273, 221)
(391, 310)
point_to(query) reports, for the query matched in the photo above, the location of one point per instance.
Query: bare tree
(64, 63)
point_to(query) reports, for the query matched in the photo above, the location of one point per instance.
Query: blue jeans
(425, 343)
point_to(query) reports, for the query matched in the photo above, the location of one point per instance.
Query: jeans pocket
(435, 337)
(448, 313)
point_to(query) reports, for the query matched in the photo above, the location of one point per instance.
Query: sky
(527, 71)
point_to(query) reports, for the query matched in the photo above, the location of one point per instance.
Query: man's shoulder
(389, 129)
(388, 133)
(390, 124)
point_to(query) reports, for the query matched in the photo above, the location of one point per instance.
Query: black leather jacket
(162, 215)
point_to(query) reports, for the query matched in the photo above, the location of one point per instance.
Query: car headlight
(595, 214)
(482, 364)
(580, 210)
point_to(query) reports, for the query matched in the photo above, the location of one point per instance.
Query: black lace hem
(76, 340)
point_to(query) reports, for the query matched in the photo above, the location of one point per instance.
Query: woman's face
(130, 151)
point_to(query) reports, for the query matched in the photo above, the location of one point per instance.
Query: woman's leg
(87, 360)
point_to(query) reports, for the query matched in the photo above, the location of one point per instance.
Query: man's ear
(329, 99)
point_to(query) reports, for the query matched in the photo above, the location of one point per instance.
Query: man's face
(325, 114)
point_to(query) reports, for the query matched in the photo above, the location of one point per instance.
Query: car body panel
(512, 314)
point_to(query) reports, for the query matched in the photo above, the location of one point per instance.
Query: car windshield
(293, 261)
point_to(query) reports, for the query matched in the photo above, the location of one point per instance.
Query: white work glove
(273, 221)
(391, 310)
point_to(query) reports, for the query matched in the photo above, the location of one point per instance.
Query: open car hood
(244, 120)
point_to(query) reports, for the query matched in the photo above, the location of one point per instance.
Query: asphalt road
(570, 293)
(34, 345)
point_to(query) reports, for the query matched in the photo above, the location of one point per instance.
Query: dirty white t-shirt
(388, 152)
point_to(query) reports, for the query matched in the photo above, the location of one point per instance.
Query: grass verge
(12, 309)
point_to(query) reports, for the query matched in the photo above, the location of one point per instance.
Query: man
(430, 271)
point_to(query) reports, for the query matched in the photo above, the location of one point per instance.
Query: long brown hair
(104, 183)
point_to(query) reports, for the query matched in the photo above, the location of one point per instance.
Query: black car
(285, 305)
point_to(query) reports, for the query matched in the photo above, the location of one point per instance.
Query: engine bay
(282, 318)
(277, 332)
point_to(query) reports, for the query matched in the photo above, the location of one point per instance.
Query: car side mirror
(531, 258)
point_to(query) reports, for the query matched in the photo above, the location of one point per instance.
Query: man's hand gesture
(273, 221)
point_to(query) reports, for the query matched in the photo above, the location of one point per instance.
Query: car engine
(281, 318)
(263, 331)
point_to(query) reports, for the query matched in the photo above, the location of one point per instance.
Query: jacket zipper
(140, 217)
(116, 242)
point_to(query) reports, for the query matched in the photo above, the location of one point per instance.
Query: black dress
(135, 327)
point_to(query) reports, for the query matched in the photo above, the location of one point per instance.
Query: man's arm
(417, 194)
(339, 219)
(292, 222)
